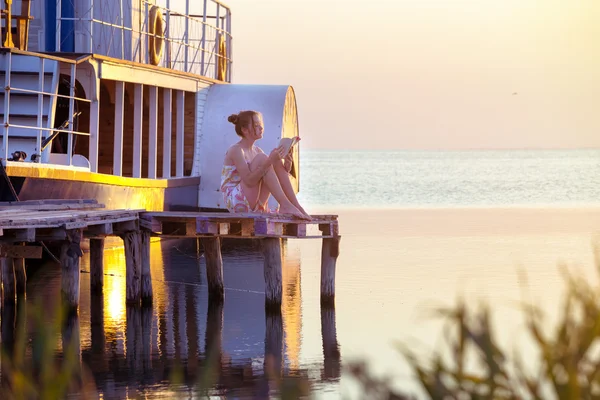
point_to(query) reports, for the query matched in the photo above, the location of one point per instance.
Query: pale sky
(429, 74)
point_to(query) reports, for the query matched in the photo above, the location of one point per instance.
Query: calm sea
(418, 230)
(392, 179)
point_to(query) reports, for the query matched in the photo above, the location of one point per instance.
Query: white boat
(125, 102)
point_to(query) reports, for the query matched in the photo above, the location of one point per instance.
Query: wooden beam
(99, 230)
(24, 235)
(138, 115)
(179, 141)
(19, 251)
(126, 226)
(152, 131)
(167, 134)
(119, 120)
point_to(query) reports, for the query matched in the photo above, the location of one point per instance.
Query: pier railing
(189, 36)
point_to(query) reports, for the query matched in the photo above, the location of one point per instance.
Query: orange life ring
(155, 37)
(222, 64)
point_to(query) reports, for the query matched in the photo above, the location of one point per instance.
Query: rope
(16, 197)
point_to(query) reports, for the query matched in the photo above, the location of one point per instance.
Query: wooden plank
(204, 226)
(48, 207)
(48, 201)
(20, 251)
(294, 230)
(267, 227)
(223, 228)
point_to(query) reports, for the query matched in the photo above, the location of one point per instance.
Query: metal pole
(7, 73)
(187, 33)
(167, 35)
(41, 79)
(217, 40)
(71, 110)
(92, 28)
(229, 43)
(122, 31)
(203, 43)
(58, 23)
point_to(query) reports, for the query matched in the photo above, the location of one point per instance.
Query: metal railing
(196, 36)
(42, 112)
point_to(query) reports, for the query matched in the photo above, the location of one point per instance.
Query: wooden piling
(273, 342)
(331, 350)
(70, 253)
(329, 254)
(146, 275)
(214, 267)
(133, 259)
(8, 280)
(272, 271)
(96, 265)
(20, 275)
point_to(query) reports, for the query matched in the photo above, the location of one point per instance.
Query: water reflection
(183, 343)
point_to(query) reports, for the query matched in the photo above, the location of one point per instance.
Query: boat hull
(177, 194)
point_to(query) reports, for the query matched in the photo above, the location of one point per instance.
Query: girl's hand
(287, 163)
(276, 154)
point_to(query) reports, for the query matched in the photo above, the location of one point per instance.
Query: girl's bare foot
(307, 215)
(290, 209)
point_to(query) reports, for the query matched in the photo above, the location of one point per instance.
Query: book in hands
(288, 143)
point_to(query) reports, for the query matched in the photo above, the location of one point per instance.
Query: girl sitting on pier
(249, 176)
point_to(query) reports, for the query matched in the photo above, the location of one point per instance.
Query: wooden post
(96, 265)
(146, 274)
(272, 271)
(214, 267)
(273, 343)
(69, 259)
(8, 280)
(147, 338)
(20, 275)
(97, 324)
(214, 335)
(133, 338)
(329, 254)
(331, 350)
(133, 260)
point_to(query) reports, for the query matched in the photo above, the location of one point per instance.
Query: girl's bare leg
(270, 183)
(286, 185)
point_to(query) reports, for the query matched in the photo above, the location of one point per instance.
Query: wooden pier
(25, 224)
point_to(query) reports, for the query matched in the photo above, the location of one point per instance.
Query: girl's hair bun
(233, 118)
